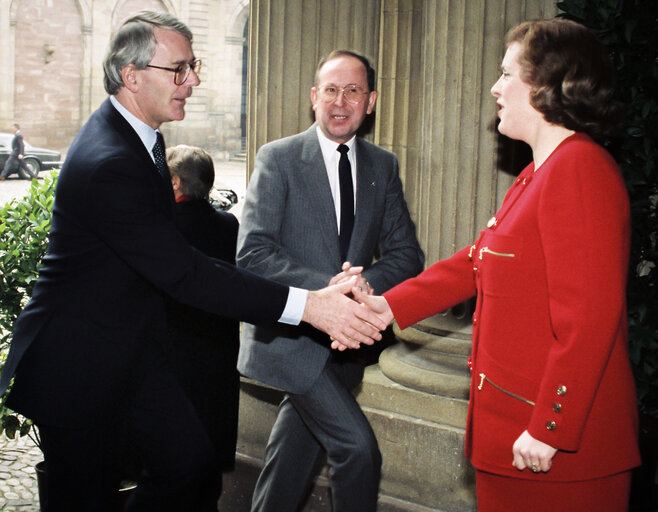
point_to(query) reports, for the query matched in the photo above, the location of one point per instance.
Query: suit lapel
(315, 186)
(366, 190)
(125, 131)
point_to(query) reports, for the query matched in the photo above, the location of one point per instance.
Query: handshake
(347, 311)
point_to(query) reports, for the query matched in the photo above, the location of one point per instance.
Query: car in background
(222, 198)
(37, 159)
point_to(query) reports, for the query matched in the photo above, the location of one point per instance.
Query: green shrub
(24, 225)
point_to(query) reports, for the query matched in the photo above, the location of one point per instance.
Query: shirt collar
(329, 147)
(145, 133)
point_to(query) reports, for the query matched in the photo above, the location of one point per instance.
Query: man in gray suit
(318, 200)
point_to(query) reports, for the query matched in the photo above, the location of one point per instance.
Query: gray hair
(194, 167)
(135, 43)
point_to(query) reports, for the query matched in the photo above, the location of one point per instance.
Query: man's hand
(376, 304)
(530, 453)
(347, 322)
(348, 271)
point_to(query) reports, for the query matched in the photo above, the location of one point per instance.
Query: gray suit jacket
(289, 233)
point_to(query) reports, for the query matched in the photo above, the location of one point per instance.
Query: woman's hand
(529, 453)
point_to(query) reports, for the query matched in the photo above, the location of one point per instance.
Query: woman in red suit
(552, 421)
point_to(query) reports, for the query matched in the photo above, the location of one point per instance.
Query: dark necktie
(159, 155)
(346, 200)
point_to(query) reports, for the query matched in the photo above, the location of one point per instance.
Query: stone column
(451, 167)
(287, 39)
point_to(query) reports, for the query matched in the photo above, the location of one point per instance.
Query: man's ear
(372, 99)
(129, 77)
(314, 97)
(175, 182)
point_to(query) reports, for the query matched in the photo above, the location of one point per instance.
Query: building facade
(52, 54)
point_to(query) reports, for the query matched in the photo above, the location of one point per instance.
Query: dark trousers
(161, 428)
(327, 418)
(14, 164)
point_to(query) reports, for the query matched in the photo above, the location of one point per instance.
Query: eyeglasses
(352, 93)
(183, 71)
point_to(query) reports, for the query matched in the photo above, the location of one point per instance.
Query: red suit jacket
(549, 348)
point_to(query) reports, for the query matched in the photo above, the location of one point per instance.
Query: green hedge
(24, 225)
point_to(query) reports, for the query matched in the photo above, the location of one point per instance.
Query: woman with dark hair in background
(205, 345)
(552, 419)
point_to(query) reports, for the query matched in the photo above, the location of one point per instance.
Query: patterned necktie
(346, 201)
(159, 155)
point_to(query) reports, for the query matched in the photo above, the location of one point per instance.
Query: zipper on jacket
(495, 253)
(483, 377)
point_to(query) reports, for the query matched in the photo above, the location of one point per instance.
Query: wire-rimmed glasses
(181, 72)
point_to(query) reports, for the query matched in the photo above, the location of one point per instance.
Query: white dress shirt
(331, 158)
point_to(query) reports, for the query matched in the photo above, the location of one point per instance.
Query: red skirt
(497, 493)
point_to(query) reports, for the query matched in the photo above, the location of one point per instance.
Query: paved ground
(18, 480)
(18, 457)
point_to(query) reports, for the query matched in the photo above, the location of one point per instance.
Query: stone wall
(52, 54)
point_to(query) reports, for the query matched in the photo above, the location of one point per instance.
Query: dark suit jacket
(206, 345)
(289, 233)
(98, 307)
(17, 145)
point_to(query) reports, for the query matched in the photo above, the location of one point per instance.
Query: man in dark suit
(89, 351)
(318, 200)
(15, 161)
(205, 346)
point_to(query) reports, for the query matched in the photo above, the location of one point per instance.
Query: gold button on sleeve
(561, 390)
(550, 425)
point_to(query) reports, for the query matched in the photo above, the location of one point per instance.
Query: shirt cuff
(294, 310)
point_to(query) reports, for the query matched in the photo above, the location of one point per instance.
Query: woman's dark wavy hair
(571, 75)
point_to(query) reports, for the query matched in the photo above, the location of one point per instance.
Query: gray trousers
(326, 418)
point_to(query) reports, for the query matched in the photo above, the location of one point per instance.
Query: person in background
(205, 345)
(88, 355)
(321, 206)
(552, 421)
(15, 161)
